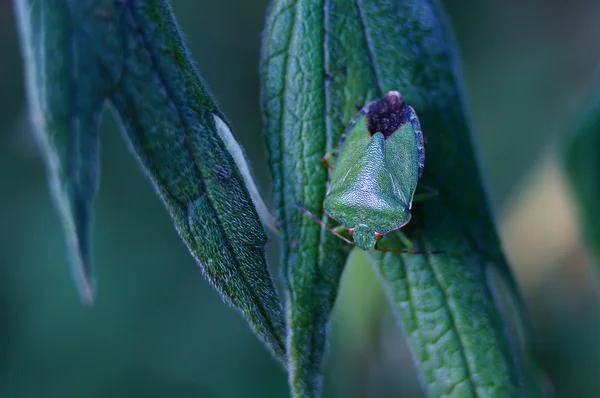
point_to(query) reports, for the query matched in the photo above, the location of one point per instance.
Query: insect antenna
(317, 219)
(412, 251)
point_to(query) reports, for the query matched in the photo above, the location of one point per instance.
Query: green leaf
(582, 164)
(456, 326)
(322, 59)
(79, 53)
(67, 92)
(298, 133)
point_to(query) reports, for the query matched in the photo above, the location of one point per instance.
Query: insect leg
(404, 251)
(317, 219)
(340, 229)
(329, 159)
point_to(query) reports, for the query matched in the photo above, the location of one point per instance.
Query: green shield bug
(380, 158)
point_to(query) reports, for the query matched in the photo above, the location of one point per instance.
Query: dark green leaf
(77, 54)
(322, 60)
(457, 328)
(294, 103)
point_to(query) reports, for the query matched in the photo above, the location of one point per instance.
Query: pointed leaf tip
(186, 146)
(66, 89)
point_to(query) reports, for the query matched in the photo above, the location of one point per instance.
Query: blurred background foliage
(158, 329)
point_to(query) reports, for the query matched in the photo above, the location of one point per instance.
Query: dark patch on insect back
(388, 114)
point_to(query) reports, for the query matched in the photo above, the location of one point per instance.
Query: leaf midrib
(185, 125)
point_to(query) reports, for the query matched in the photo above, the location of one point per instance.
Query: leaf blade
(195, 175)
(458, 220)
(293, 103)
(371, 47)
(132, 53)
(65, 114)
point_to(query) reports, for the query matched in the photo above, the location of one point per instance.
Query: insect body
(378, 164)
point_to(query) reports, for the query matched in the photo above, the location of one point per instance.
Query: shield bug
(379, 160)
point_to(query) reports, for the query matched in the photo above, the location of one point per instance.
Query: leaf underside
(77, 55)
(321, 60)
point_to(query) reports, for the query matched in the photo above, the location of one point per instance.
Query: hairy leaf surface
(322, 60)
(80, 53)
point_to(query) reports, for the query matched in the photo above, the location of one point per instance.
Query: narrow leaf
(322, 60)
(172, 125)
(132, 53)
(66, 90)
(298, 133)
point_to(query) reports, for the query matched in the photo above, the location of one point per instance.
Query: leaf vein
(184, 126)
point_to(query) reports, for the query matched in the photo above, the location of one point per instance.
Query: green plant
(461, 310)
